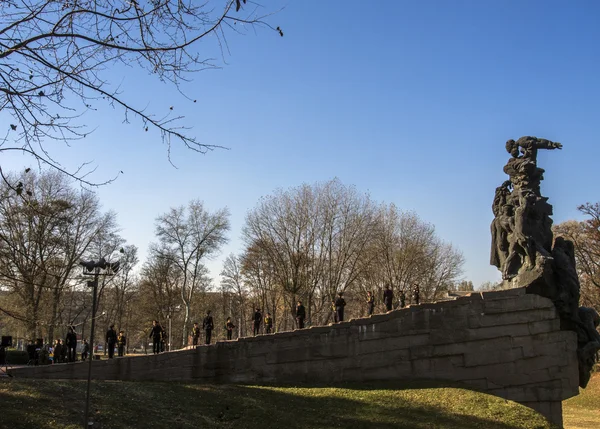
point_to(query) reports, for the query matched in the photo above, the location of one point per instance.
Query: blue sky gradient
(411, 101)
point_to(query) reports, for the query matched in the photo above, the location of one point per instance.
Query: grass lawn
(583, 411)
(27, 404)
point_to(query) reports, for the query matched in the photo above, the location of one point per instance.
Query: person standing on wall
(111, 341)
(416, 294)
(268, 323)
(388, 298)
(333, 312)
(195, 334)
(156, 335)
(229, 326)
(208, 325)
(300, 315)
(340, 303)
(71, 343)
(121, 343)
(257, 320)
(370, 303)
(402, 299)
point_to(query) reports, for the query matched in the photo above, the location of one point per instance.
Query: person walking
(156, 335)
(195, 334)
(333, 312)
(208, 325)
(340, 303)
(300, 315)
(370, 303)
(71, 344)
(257, 321)
(402, 299)
(229, 326)
(268, 323)
(388, 298)
(111, 341)
(121, 343)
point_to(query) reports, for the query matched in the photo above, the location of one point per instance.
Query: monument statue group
(527, 254)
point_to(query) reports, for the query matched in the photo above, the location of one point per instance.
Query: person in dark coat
(402, 299)
(208, 325)
(256, 322)
(86, 350)
(340, 303)
(370, 303)
(121, 343)
(300, 315)
(71, 343)
(57, 352)
(156, 335)
(388, 298)
(111, 341)
(229, 326)
(416, 294)
(195, 334)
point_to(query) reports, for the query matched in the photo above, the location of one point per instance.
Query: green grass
(583, 411)
(27, 404)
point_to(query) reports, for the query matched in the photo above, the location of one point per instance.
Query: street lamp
(96, 269)
(169, 317)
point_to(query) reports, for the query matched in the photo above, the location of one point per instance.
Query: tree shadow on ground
(119, 405)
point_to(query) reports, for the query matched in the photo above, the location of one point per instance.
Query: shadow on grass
(116, 405)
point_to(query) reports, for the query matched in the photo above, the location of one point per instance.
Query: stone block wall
(507, 343)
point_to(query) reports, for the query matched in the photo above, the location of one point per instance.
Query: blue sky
(411, 101)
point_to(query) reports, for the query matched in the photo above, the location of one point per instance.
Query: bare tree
(56, 57)
(42, 239)
(585, 236)
(188, 236)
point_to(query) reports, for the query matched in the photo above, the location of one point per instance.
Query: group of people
(337, 308)
(208, 325)
(113, 340)
(66, 351)
(388, 298)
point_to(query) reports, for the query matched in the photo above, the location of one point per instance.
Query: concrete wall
(505, 343)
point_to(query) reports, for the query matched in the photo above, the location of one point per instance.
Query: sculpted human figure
(502, 226)
(522, 167)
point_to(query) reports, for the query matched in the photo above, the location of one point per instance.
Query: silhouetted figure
(86, 350)
(57, 352)
(256, 322)
(340, 303)
(71, 344)
(388, 298)
(229, 326)
(208, 325)
(156, 335)
(416, 294)
(300, 315)
(333, 312)
(111, 341)
(268, 323)
(402, 299)
(195, 334)
(370, 303)
(121, 343)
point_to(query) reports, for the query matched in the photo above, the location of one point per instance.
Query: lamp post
(94, 268)
(170, 317)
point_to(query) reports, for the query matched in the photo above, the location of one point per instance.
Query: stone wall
(506, 343)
